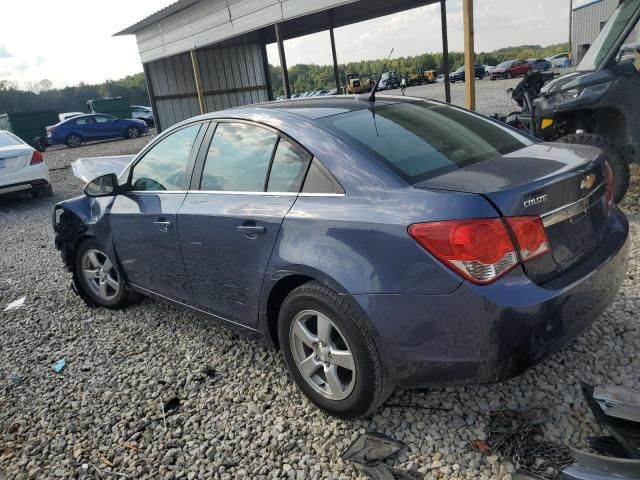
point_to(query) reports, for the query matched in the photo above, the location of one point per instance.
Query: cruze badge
(588, 182)
(535, 201)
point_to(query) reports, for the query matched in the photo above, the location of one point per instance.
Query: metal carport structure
(206, 55)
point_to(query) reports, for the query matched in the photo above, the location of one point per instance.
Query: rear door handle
(163, 226)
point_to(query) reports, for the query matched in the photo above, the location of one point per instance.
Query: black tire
(132, 132)
(615, 158)
(40, 144)
(73, 140)
(509, 76)
(122, 299)
(42, 192)
(371, 385)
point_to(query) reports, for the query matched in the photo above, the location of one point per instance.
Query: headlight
(593, 93)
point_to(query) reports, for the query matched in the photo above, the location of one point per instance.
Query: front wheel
(133, 132)
(331, 353)
(614, 157)
(98, 277)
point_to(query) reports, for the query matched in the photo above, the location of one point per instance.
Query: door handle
(163, 226)
(250, 229)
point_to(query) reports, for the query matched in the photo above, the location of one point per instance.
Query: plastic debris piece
(59, 365)
(15, 304)
(371, 449)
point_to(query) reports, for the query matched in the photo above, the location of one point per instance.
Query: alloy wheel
(133, 132)
(74, 141)
(100, 275)
(322, 355)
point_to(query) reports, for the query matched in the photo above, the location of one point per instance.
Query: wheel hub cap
(99, 274)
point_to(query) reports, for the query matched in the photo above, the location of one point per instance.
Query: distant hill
(303, 77)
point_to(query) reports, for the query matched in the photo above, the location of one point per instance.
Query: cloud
(13, 68)
(4, 53)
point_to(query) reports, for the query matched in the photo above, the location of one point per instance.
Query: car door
(107, 126)
(247, 180)
(85, 127)
(143, 220)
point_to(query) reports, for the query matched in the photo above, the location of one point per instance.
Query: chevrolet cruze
(401, 242)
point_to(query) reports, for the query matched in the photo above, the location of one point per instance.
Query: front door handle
(163, 226)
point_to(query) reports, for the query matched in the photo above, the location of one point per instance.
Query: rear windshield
(8, 140)
(421, 140)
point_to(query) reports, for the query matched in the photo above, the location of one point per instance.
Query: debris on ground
(15, 304)
(59, 365)
(370, 450)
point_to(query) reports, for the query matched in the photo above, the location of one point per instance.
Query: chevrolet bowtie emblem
(588, 182)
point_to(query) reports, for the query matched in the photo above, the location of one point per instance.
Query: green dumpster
(118, 106)
(29, 125)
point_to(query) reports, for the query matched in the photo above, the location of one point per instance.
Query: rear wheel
(331, 353)
(73, 141)
(614, 157)
(133, 132)
(99, 278)
(509, 76)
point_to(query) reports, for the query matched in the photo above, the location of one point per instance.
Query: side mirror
(104, 186)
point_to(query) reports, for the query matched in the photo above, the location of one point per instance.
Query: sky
(71, 41)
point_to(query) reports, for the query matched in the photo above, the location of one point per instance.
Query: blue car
(400, 242)
(86, 128)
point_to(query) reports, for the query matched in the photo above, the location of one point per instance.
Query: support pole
(152, 96)
(336, 71)
(445, 51)
(198, 81)
(283, 62)
(571, 30)
(469, 57)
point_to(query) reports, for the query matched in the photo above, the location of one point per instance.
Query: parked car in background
(22, 168)
(389, 81)
(401, 242)
(540, 64)
(511, 69)
(68, 115)
(560, 60)
(459, 75)
(143, 113)
(86, 128)
(488, 69)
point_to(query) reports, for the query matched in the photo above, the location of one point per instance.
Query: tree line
(302, 77)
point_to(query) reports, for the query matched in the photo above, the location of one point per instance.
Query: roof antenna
(372, 97)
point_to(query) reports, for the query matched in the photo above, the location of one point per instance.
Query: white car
(68, 115)
(22, 168)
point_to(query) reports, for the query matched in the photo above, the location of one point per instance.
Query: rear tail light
(482, 250)
(609, 182)
(36, 158)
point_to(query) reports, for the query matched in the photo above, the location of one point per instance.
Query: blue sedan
(401, 242)
(85, 128)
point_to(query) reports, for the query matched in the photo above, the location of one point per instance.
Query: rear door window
(289, 167)
(84, 121)
(238, 158)
(421, 140)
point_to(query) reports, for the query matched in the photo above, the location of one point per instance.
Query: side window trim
(190, 163)
(273, 156)
(338, 189)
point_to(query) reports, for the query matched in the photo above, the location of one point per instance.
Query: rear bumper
(487, 334)
(28, 178)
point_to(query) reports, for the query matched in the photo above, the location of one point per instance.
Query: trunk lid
(14, 157)
(563, 184)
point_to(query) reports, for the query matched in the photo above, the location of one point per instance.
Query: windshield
(505, 64)
(460, 69)
(610, 35)
(421, 140)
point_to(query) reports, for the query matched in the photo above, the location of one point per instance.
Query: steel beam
(152, 96)
(197, 78)
(445, 51)
(336, 70)
(283, 61)
(469, 56)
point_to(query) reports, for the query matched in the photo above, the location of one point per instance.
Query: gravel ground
(245, 419)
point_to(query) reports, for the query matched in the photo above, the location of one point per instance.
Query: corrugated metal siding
(587, 23)
(232, 75)
(211, 21)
